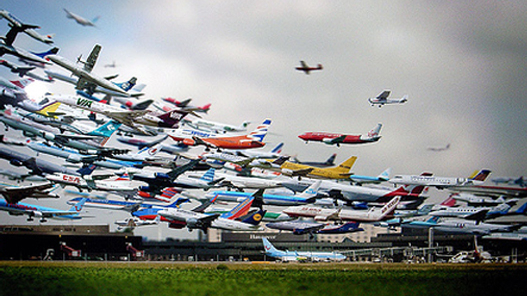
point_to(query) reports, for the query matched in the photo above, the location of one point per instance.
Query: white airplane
(287, 255)
(382, 99)
(19, 24)
(133, 222)
(201, 124)
(80, 20)
(23, 71)
(469, 212)
(132, 118)
(476, 200)
(324, 214)
(241, 182)
(86, 78)
(426, 179)
(14, 194)
(7, 47)
(122, 185)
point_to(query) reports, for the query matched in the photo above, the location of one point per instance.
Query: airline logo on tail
(261, 131)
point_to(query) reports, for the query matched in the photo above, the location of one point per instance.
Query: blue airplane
(287, 255)
(42, 212)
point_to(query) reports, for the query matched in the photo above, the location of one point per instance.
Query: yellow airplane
(342, 171)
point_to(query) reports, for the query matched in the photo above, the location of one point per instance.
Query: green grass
(40, 278)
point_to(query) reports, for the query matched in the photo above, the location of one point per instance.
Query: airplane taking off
(426, 179)
(14, 22)
(439, 149)
(304, 67)
(23, 71)
(251, 140)
(382, 99)
(31, 211)
(337, 139)
(86, 78)
(287, 255)
(342, 171)
(15, 194)
(6, 46)
(299, 227)
(80, 20)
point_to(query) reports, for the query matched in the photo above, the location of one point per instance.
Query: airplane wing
(304, 65)
(16, 194)
(384, 95)
(301, 172)
(337, 140)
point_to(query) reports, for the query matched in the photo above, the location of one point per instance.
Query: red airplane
(252, 140)
(333, 138)
(308, 69)
(184, 105)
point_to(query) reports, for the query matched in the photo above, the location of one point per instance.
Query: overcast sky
(462, 64)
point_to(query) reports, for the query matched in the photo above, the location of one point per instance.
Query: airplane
(350, 193)
(31, 211)
(304, 67)
(307, 196)
(345, 214)
(127, 206)
(37, 165)
(472, 213)
(42, 55)
(328, 163)
(205, 181)
(287, 255)
(300, 227)
(242, 182)
(121, 185)
(337, 139)
(258, 153)
(382, 177)
(133, 222)
(475, 200)
(15, 22)
(14, 194)
(426, 179)
(184, 105)
(80, 20)
(134, 119)
(86, 78)
(112, 65)
(142, 143)
(251, 140)
(382, 99)
(7, 47)
(439, 149)
(463, 226)
(19, 98)
(19, 177)
(342, 171)
(23, 71)
(158, 180)
(128, 86)
(201, 124)
(519, 181)
(227, 221)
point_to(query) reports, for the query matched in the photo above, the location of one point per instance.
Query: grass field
(90, 278)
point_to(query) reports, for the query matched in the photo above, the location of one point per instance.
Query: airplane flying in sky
(382, 99)
(304, 67)
(15, 22)
(31, 211)
(337, 139)
(23, 71)
(300, 227)
(184, 105)
(14, 194)
(80, 20)
(251, 140)
(287, 255)
(86, 78)
(7, 47)
(426, 179)
(342, 171)
(439, 149)
(328, 163)
(207, 125)
(131, 223)
(382, 177)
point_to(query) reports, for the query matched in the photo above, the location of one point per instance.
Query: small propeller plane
(304, 67)
(382, 99)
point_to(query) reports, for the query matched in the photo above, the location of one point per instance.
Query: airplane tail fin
(172, 117)
(106, 130)
(374, 133)
(95, 19)
(87, 170)
(268, 247)
(22, 83)
(127, 85)
(78, 206)
(385, 175)
(480, 176)
(345, 167)
(311, 190)
(278, 148)
(331, 160)
(178, 202)
(239, 210)
(49, 109)
(209, 175)
(261, 131)
(168, 193)
(254, 218)
(449, 202)
(404, 99)
(141, 105)
(390, 206)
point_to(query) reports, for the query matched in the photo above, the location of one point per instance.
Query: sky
(461, 63)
